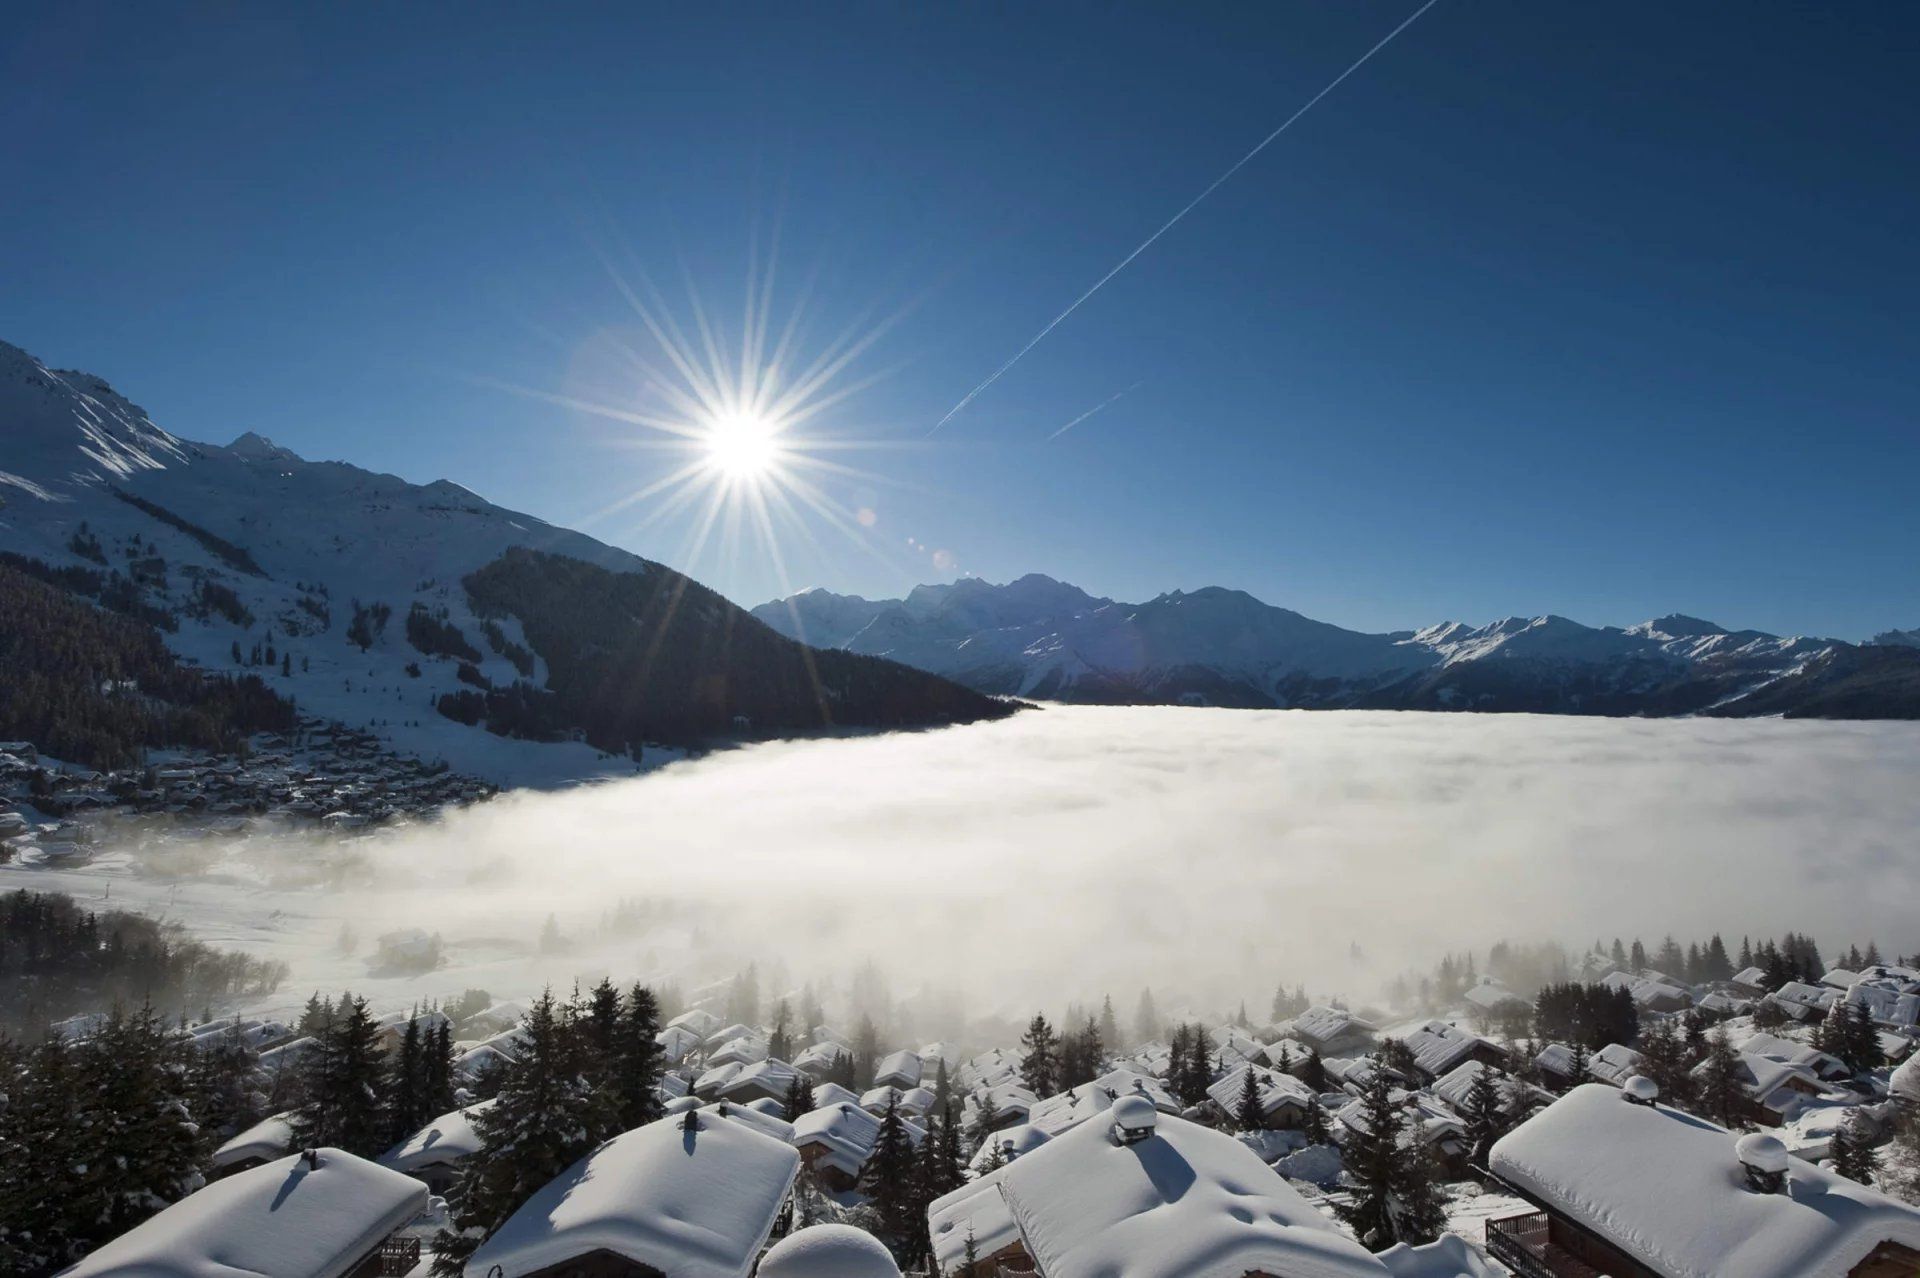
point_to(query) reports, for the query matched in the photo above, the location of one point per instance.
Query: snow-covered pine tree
(1315, 1126)
(799, 1099)
(1109, 1024)
(1484, 1113)
(407, 1085)
(1248, 1113)
(1720, 1090)
(226, 1095)
(437, 1068)
(638, 1061)
(546, 1116)
(942, 1086)
(1372, 1156)
(345, 1087)
(887, 1179)
(45, 1131)
(1039, 1068)
(1852, 1153)
(1313, 1072)
(985, 1115)
(140, 1146)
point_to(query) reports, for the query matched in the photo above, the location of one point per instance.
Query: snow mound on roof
(829, 1251)
(447, 1139)
(1667, 1188)
(693, 1203)
(1449, 1257)
(284, 1219)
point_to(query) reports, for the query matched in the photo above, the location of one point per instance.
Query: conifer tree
(1313, 1073)
(226, 1096)
(866, 1053)
(799, 1097)
(437, 1068)
(1373, 1159)
(345, 1085)
(1146, 1018)
(1852, 1153)
(887, 1179)
(985, 1115)
(1249, 1115)
(1486, 1120)
(407, 1085)
(1109, 1024)
(1315, 1126)
(942, 1086)
(1720, 1090)
(638, 1061)
(1039, 1068)
(545, 1117)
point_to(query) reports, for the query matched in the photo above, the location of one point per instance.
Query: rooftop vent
(1134, 1118)
(1640, 1090)
(1764, 1160)
(311, 1157)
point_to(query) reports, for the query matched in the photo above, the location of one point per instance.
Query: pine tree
(866, 1053)
(345, 1085)
(407, 1085)
(1720, 1089)
(1420, 1214)
(1373, 1159)
(985, 1116)
(1249, 1115)
(1039, 1068)
(226, 1098)
(545, 1117)
(799, 1099)
(638, 1061)
(1852, 1154)
(1109, 1024)
(437, 1068)
(887, 1179)
(1313, 1073)
(1146, 1018)
(1486, 1122)
(1315, 1126)
(780, 1041)
(942, 1086)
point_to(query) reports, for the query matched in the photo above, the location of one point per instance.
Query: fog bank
(1072, 851)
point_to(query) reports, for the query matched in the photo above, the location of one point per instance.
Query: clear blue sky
(1606, 309)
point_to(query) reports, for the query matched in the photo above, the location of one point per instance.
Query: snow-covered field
(1071, 851)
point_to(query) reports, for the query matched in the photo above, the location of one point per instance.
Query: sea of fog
(1069, 852)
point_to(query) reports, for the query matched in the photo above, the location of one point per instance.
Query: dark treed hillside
(655, 656)
(97, 688)
(57, 959)
(1871, 682)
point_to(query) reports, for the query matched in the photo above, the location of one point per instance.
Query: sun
(742, 445)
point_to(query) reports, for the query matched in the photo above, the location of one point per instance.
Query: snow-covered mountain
(251, 544)
(1898, 638)
(1038, 637)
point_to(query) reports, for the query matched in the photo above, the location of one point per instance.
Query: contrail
(1172, 221)
(1096, 408)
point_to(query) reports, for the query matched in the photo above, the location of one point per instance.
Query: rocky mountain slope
(1041, 638)
(347, 591)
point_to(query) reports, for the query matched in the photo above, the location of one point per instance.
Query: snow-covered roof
(692, 1203)
(1812, 1059)
(1186, 1202)
(1905, 1083)
(1010, 1143)
(269, 1138)
(1324, 1026)
(696, 1020)
(1615, 1063)
(1437, 1046)
(829, 1251)
(902, 1069)
(1448, 1257)
(1763, 1077)
(976, 1210)
(1753, 978)
(1276, 1091)
(1666, 1188)
(1491, 994)
(285, 1218)
(447, 1139)
(1073, 1106)
(774, 1125)
(825, 1094)
(844, 1132)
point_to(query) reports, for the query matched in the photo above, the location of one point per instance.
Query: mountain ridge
(359, 583)
(1218, 645)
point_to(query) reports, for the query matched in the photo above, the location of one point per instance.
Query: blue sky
(1604, 310)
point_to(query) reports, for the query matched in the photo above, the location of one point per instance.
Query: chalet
(1803, 1002)
(691, 1194)
(825, 1094)
(817, 1061)
(1772, 1091)
(1904, 1086)
(1329, 1029)
(1438, 1047)
(1003, 1147)
(1494, 999)
(322, 1213)
(265, 1141)
(898, 1069)
(677, 1042)
(742, 1049)
(1630, 1188)
(434, 1154)
(696, 1020)
(1283, 1099)
(1153, 1196)
(833, 1142)
(1822, 1065)
(1074, 1106)
(759, 1115)
(1012, 1104)
(1614, 1064)
(1435, 1126)
(829, 1251)
(1720, 1005)
(1516, 1098)
(763, 1080)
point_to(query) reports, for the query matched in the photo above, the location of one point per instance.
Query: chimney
(312, 1158)
(1764, 1160)
(1640, 1090)
(1134, 1119)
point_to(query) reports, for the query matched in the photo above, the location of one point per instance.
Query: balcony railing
(397, 1257)
(1524, 1244)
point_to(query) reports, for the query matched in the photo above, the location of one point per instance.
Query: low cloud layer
(1208, 853)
